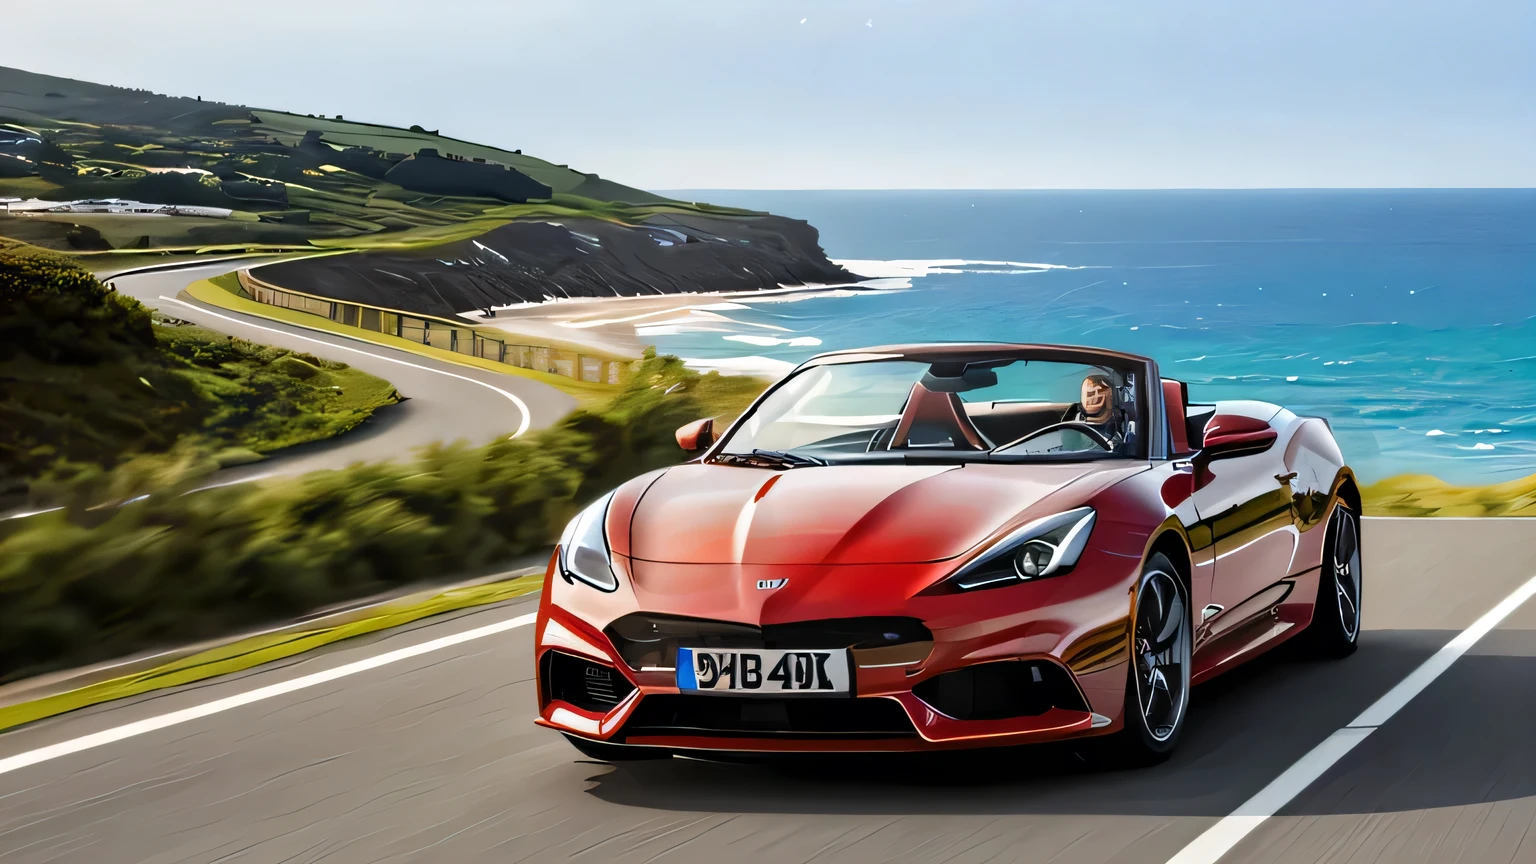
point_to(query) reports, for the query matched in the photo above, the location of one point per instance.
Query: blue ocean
(1404, 316)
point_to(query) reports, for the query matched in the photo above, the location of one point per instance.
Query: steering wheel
(1093, 434)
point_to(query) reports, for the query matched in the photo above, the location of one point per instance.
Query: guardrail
(439, 333)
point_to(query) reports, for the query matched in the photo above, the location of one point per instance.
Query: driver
(1098, 408)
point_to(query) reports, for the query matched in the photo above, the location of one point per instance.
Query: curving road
(418, 745)
(445, 401)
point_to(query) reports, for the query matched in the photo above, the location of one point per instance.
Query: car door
(1243, 499)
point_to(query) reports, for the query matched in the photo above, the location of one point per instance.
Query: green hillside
(89, 377)
(291, 182)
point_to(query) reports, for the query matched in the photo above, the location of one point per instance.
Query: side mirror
(1228, 436)
(697, 436)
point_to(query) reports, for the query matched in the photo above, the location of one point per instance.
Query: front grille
(762, 717)
(1007, 688)
(647, 640)
(583, 683)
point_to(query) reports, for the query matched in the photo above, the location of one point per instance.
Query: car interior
(934, 416)
(1009, 420)
(936, 419)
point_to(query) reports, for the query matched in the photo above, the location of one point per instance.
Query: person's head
(1098, 398)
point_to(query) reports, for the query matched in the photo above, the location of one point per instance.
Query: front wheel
(1157, 692)
(1335, 627)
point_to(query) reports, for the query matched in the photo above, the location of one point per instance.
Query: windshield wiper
(768, 459)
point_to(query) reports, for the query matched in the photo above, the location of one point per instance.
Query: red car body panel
(847, 514)
(698, 541)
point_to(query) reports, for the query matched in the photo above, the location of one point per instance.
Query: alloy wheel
(1346, 570)
(1162, 654)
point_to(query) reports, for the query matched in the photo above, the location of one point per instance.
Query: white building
(111, 205)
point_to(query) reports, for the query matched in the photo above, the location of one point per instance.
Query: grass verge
(1423, 495)
(256, 650)
(269, 398)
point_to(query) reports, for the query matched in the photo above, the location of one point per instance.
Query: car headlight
(584, 551)
(1045, 547)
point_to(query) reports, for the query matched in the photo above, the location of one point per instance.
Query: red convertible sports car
(923, 547)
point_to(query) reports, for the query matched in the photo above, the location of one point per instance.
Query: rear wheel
(602, 751)
(1335, 627)
(1157, 692)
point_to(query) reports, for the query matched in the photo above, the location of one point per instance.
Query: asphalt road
(434, 758)
(445, 402)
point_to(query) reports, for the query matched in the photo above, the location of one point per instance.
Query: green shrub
(92, 582)
(81, 378)
(88, 379)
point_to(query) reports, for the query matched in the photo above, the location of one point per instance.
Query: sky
(868, 94)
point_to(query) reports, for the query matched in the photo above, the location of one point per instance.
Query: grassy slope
(108, 142)
(290, 128)
(270, 398)
(89, 378)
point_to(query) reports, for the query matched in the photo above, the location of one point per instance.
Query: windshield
(993, 409)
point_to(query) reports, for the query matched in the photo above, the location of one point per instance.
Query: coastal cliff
(532, 261)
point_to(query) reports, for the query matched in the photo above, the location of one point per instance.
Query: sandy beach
(625, 325)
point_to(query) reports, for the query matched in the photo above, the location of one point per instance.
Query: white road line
(1219, 839)
(521, 406)
(140, 727)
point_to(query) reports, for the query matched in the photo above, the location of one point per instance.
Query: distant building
(111, 205)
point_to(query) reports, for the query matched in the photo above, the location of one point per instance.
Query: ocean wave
(767, 367)
(918, 267)
(768, 341)
(700, 321)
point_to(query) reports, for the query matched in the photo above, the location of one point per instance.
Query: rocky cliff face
(540, 260)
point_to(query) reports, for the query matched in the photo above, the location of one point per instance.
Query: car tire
(1157, 683)
(1336, 615)
(605, 752)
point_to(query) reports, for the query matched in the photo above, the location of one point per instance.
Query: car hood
(839, 514)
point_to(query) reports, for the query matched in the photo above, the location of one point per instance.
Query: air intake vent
(583, 683)
(761, 717)
(995, 691)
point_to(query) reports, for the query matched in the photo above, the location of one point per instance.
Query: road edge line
(229, 703)
(1222, 837)
(255, 649)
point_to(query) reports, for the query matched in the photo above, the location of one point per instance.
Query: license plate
(808, 673)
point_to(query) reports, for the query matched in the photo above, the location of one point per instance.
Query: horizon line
(1095, 189)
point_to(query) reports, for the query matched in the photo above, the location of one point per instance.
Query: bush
(88, 379)
(80, 376)
(52, 309)
(92, 582)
